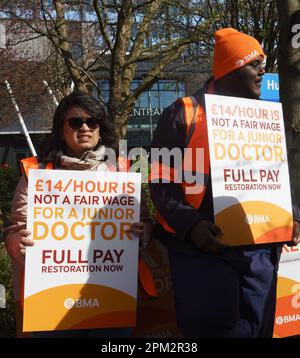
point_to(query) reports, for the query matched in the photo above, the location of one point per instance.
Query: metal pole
(150, 115)
(55, 101)
(20, 119)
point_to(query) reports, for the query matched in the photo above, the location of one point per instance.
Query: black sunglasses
(77, 122)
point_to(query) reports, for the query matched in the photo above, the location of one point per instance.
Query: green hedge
(8, 180)
(7, 314)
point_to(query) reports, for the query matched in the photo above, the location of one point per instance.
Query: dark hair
(54, 146)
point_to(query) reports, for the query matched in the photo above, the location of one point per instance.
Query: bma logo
(81, 303)
(257, 219)
(241, 61)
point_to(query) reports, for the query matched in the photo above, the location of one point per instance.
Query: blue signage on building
(270, 87)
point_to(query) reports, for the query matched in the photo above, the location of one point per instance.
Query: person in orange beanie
(233, 50)
(219, 291)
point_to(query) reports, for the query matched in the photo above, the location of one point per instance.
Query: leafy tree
(111, 40)
(256, 18)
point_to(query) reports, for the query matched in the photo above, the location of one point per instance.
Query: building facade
(22, 45)
(141, 124)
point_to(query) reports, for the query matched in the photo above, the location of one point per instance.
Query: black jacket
(169, 197)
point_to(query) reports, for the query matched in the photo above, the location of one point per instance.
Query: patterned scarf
(90, 160)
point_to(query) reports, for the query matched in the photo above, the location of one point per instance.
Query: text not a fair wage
(83, 199)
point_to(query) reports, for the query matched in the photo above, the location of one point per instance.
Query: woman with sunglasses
(81, 133)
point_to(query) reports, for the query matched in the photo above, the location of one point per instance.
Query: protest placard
(249, 171)
(82, 271)
(287, 316)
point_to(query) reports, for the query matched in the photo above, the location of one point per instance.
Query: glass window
(24, 13)
(162, 94)
(144, 102)
(154, 87)
(181, 93)
(181, 86)
(104, 89)
(48, 15)
(105, 96)
(167, 85)
(72, 15)
(134, 84)
(167, 98)
(98, 41)
(77, 51)
(154, 98)
(4, 15)
(90, 16)
(49, 3)
(104, 85)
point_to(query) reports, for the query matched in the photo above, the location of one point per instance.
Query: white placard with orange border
(82, 271)
(287, 317)
(249, 171)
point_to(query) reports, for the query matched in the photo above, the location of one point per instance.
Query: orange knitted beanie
(233, 50)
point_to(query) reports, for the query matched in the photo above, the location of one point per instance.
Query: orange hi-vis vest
(196, 138)
(147, 286)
